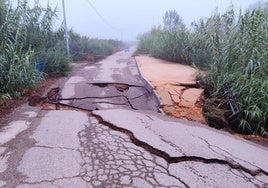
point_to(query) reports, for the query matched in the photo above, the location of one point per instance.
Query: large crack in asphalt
(54, 97)
(170, 159)
(158, 152)
(146, 146)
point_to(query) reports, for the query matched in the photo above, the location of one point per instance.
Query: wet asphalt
(108, 132)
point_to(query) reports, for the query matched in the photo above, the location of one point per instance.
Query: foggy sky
(125, 19)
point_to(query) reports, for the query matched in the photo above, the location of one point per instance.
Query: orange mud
(174, 84)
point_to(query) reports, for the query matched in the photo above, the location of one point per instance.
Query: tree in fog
(172, 20)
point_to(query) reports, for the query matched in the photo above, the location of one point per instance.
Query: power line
(100, 16)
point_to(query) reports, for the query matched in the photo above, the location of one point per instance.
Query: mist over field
(124, 20)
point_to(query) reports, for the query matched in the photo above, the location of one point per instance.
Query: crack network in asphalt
(170, 160)
(54, 97)
(156, 151)
(55, 105)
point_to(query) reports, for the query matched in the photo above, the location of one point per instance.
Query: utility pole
(66, 29)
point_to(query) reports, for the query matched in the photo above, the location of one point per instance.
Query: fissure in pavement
(50, 105)
(169, 159)
(54, 97)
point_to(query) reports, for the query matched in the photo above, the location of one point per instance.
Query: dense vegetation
(27, 36)
(233, 49)
(83, 46)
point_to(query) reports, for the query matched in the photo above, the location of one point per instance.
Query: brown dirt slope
(39, 90)
(176, 87)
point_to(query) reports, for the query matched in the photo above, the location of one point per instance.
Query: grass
(233, 48)
(26, 37)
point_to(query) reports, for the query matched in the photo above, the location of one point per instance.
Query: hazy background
(125, 19)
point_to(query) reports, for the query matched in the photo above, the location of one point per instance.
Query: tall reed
(233, 48)
(25, 36)
(16, 70)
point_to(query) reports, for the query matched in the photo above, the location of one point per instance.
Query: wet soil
(13, 103)
(176, 87)
(39, 90)
(177, 90)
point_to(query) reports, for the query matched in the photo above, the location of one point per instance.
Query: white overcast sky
(125, 19)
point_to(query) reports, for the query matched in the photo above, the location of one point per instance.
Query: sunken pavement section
(104, 130)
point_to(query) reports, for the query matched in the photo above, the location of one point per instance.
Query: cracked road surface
(111, 83)
(119, 145)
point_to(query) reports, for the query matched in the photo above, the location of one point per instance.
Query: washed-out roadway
(108, 132)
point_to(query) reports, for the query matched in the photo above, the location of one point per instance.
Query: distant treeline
(82, 46)
(233, 48)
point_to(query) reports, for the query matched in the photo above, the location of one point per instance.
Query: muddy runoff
(175, 86)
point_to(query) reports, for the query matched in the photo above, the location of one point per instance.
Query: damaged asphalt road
(104, 130)
(112, 83)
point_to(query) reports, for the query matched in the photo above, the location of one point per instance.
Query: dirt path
(176, 87)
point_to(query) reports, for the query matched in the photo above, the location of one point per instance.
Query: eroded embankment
(175, 86)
